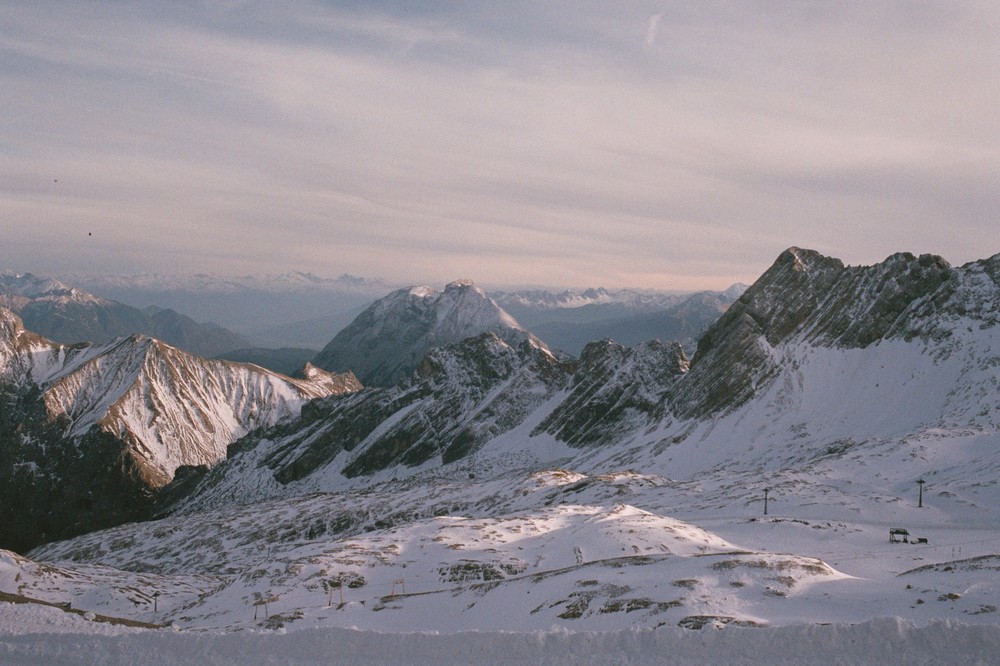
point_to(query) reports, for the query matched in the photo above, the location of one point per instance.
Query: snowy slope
(548, 549)
(462, 398)
(581, 566)
(173, 408)
(39, 635)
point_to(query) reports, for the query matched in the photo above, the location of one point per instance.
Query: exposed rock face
(461, 396)
(812, 299)
(112, 422)
(615, 391)
(386, 342)
(52, 488)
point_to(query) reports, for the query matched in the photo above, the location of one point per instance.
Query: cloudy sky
(643, 144)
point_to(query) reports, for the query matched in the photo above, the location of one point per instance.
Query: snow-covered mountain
(461, 397)
(502, 488)
(806, 300)
(135, 407)
(810, 333)
(386, 342)
(69, 315)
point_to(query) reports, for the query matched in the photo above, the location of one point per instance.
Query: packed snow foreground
(612, 521)
(572, 583)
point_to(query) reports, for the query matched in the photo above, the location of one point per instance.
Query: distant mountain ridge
(542, 299)
(211, 282)
(570, 319)
(303, 310)
(70, 315)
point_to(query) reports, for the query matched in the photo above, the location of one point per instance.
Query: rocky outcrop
(460, 396)
(615, 391)
(809, 298)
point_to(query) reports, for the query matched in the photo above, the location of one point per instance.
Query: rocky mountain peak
(806, 297)
(615, 390)
(139, 408)
(804, 260)
(461, 284)
(332, 382)
(385, 343)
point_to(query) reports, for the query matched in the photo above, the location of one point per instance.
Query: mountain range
(69, 315)
(507, 486)
(306, 311)
(651, 397)
(568, 320)
(303, 310)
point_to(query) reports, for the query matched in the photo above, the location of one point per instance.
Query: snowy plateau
(817, 484)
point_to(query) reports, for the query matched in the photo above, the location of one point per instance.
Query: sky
(660, 145)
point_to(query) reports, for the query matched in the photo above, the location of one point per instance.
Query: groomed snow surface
(569, 584)
(37, 635)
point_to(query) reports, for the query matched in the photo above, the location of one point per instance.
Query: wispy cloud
(538, 142)
(652, 28)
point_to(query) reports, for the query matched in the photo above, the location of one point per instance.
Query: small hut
(897, 534)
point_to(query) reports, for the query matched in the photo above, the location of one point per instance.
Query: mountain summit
(386, 342)
(89, 433)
